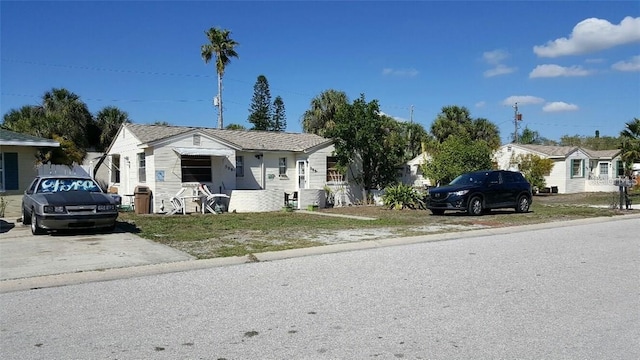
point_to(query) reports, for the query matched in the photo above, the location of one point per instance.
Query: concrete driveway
(23, 255)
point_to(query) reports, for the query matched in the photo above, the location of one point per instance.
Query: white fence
(50, 169)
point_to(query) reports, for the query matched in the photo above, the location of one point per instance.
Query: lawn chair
(177, 203)
(213, 201)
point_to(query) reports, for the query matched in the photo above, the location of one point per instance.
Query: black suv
(480, 191)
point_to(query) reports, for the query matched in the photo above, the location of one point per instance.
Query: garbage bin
(142, 199)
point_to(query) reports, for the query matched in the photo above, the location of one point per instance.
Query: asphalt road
(558, 293)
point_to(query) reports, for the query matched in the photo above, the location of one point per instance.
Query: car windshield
(470, 179)
(67, 184)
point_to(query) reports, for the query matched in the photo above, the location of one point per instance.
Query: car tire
(437, 211)
(26, 217)
(475, 206)
(523, 204)
(35, 227)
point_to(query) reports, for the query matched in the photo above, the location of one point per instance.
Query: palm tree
(108, 121)
(321, 115)
(452, 120)
(69, 115)
(483, 129)
(630, 137)
(222, 47)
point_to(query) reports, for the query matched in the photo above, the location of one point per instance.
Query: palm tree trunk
(220, 125)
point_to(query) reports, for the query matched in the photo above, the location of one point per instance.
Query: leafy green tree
(161, 123)
(455, 156)
(418, 139)
(529, 136)
(235, 127)
(260, 114)
(108, 121)
(457, 121)
(534, 168)
(320, 117)
(61, 115)
(221, 46)
(361, 137)
(630, 144)
(485, 130)
(279, 119)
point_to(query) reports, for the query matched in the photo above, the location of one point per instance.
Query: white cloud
(495, 57)
(631, 65)
(396, 118)
(552, 70)
(499, 70)
(400, 72)
(522, 100)
(480, 104)
(558, 106)
(592, 35)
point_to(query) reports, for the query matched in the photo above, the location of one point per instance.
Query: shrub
(402, 196)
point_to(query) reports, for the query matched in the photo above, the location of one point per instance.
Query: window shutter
(11, 169)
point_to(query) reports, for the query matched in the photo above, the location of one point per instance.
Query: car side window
(508, 178)
(32, 187)
(494, 178)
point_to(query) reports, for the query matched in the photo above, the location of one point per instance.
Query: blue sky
(572, 66)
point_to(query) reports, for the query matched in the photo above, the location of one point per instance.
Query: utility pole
(516, 117)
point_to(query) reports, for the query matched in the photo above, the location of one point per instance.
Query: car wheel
(35, 227)
(475, 206)
(437, 211)
(26, 217)
(522, 206)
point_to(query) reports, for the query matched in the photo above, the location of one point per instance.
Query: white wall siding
(243, 201)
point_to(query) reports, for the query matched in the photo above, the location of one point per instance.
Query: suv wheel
(475, 206)
(522, 206)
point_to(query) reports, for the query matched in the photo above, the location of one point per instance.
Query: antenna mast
(516, 117)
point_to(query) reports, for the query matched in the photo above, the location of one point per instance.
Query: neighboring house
(256, 168)
(575, 169)
(18, 160)
(413, 172)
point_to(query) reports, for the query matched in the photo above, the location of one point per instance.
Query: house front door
(301, 170)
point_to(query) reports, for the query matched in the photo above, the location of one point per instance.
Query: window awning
(203, 151)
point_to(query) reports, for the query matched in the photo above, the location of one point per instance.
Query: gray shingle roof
(563, 151)
(8, 137)
(242, 139)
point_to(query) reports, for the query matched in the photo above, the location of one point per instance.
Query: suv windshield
(470, 179)
(67, 184)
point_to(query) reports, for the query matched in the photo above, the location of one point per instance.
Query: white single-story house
(18, 160)
(575, 169)
(255, 168)
(413, 172)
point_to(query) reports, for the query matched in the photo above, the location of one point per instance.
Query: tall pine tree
(260, 110)
(279, 120)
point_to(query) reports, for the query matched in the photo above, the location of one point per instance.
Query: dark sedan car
(67, 202)
(479, 191)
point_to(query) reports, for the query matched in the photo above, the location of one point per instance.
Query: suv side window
(493, 178)
(509, 177)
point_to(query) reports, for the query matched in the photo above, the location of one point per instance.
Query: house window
(239, 166)
(196, 140)
(604, 169)
(142, 167)
(620, 168)
(115, 168)
(196, 168)
(282, 167)
(333, 174)
(576, 168)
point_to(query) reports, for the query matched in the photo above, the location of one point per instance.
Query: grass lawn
(229, 234)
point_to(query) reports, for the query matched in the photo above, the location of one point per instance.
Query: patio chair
(177, 203)
(213, 201)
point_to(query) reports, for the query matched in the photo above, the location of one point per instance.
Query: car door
(511, 189)
(493, 190)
